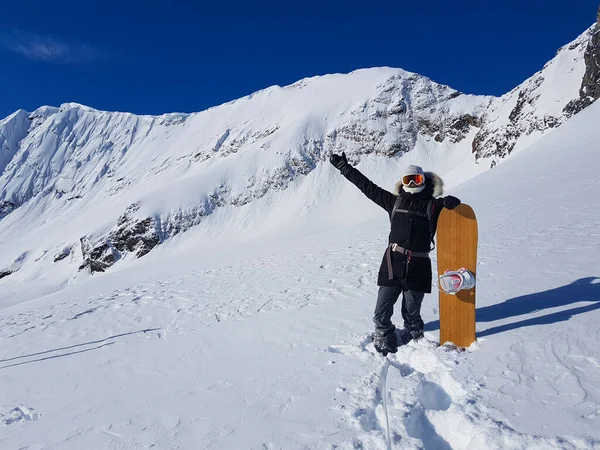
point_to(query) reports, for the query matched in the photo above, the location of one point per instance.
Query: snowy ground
(265, 346)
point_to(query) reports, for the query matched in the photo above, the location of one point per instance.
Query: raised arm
(380, 196)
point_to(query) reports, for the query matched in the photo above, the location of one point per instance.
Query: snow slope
(266, 346)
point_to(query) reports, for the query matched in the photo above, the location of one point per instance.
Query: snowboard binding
(453, 281)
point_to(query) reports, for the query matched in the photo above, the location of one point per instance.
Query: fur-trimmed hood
(434, 187)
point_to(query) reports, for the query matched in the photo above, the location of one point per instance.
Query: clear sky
(151, 57)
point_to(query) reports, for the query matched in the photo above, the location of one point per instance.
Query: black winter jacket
(411, 230)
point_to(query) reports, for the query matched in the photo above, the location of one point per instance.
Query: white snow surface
(218, 341)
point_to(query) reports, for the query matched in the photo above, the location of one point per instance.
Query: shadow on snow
(583, 290)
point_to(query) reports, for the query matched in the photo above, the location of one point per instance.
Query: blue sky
(151, 57)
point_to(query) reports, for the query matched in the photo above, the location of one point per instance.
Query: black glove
(339, 161)
(451, 202)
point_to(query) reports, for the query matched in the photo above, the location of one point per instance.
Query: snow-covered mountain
(104, 185)
(81, 189)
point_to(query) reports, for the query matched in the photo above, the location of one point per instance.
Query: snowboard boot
(405, 336)
(417, 335)
(385, 343)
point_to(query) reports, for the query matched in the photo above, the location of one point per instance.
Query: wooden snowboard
(457, 248)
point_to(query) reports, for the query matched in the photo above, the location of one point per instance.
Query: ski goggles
(416, 179)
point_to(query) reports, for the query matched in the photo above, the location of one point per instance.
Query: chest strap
(407, 211)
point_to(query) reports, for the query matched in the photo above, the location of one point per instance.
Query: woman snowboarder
(413, 209)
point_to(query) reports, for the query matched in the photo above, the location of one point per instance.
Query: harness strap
(409, 253)
(388, 257)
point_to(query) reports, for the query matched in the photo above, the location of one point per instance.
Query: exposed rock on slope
(130, 236)
(590, 85)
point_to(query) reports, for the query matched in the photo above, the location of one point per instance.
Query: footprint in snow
(433, 396)
(19, 414)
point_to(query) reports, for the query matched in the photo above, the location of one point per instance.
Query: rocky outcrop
(590, 85)
(455, 129)
(5, 272)
(97, 257)
(591, 80)
(62, 254)
(6, 207)
(135, 236)
(130, 236)
(14, 267)
(522, 120)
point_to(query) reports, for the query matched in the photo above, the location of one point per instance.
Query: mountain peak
(73, 105)
(18, 114)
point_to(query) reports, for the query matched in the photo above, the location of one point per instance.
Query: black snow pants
(411, 309)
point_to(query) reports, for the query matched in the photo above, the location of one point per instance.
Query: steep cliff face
(591, 80)
(590, 85)
(130, 236)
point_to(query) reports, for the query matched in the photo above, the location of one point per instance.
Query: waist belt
(397, 248)
(409, 254)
